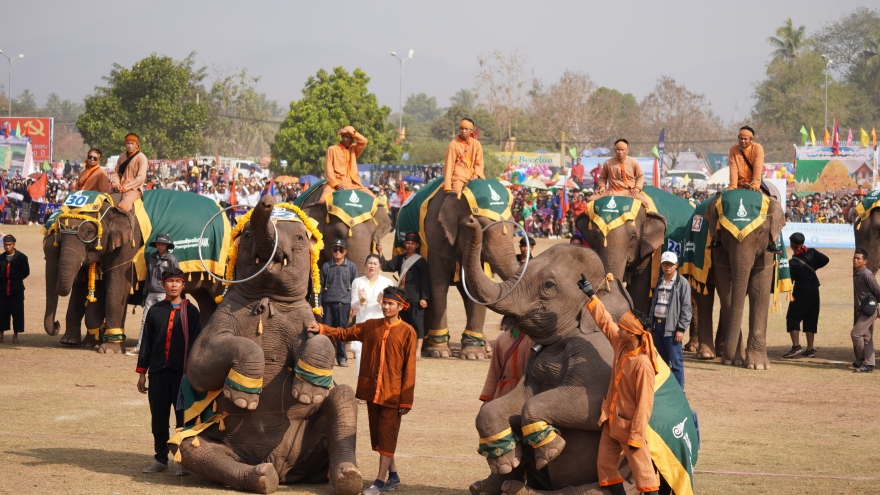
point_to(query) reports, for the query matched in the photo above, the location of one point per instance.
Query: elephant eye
(549, 284)
(299, 237)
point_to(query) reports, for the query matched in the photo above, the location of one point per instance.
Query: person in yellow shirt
(464, 159)
(340, 165)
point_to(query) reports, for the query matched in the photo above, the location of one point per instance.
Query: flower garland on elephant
(314, 250)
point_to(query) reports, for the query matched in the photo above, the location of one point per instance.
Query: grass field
(73, 421)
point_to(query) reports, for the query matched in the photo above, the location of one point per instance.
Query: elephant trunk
(481, 287)
(73, 256)
(740, 278)
(500, 252)
(264, 233)
(49, 324)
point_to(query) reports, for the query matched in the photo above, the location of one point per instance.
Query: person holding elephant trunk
(386, 378)
(629, 402)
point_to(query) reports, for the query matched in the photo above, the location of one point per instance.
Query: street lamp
(9, 85)
(400, 99)
(827, 61)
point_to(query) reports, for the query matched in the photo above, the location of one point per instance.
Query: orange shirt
(740, 174)
(620, 178)
(631, 391)
(388, 360)
(93, 179)
(340, 165)
(504, 376)
(135, 173)
(463, 162)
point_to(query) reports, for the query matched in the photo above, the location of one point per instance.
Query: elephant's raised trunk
(501, 254)
(264, 234)
(480, 286)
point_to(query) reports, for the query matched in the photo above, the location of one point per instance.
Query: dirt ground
(73, 421)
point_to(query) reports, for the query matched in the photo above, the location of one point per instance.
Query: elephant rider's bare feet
(472, 352)
(347, 479)
(549, 451)
(112, 348)
(262, 479)
(243, 400)
(705, 351)
(488, 486)
(505, 463)
(436, 350)
(756, 360)
(307, 393)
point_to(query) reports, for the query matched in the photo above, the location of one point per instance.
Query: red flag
(38, 188)
(656, 172)
(401, 191)
(835, 141)
(826, 141)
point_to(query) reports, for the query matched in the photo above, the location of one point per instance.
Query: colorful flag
(849, 138)
(3, 198)
(864, 139)
(38, 188)
(826, 141)
(812, 136)
(835, 140)
(18, 129)
(232, 196)
(874, 137)
(28, 167)
(270, 188)
(661, 145)
(804, 135)
(656, 171)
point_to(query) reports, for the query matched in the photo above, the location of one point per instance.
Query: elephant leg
(731, 308)
(473, 344)
(76, 309)
(639, 288)
(694, 329)
(331, 434)
(705, 306)
(218, 462)
(118, 287)
(759, 306)
(436, 343)
(318, 352)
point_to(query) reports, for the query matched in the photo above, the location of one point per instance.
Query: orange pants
(128, 199)
(639, 461)
(384, 428)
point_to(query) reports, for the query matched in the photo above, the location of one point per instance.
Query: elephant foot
(112, 348)
(488, 486)
(732, 362)
(506, 463)
(549, 451)
(705, 351)
(436, 350)
(473, 352)
(347, 479)
(262, 479)
(757, 360)
(691, 346)
(52, 329)
(243, 400)
(75, 340)
(306, 393)
(512, 487)
(90, 342)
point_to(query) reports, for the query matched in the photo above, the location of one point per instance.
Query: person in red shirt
(595, 174)
(577, 173)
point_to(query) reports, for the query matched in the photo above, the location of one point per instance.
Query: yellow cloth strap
(244, 380)
(497, 436)
(476, 335)
(605, 228)
(311, 369)
(113, 331)
(437, 333)
(538, 426)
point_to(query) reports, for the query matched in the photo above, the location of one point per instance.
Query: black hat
(522, 242)
(173, 273)
(412, 236)
(340, 243)
(797, 238)
(9, 238)
(164, 239)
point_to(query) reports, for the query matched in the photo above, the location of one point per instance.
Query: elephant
(567, 376)
(113, 248)
(444, 249)
(290, 431)
(361, 238)
(627, 250)
(740, 267)
(77, 309)
(867, 233)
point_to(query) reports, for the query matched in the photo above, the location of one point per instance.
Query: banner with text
(823, 235)
(529, 160)
(818, 169)
(17, 132)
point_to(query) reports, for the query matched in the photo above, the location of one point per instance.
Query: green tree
(422, 107)
(872, 64)
(446, 127)
(159, 99)
(463, 97)
(612, 115)
(25, 104)
(332, 100)
(788, 41)
(845, 40)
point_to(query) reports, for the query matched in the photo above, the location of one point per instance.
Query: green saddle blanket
(742, 210)
(352, 206)
(672, 435)
(488, 198)
(410, 216)
(868, 203)
(610, 212)
(301, 199)
(677, 211)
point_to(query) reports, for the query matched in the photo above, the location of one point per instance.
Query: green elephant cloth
(869, 202)
(696, 259)
(488, 198)
(741, 211)
(352, 206)
(610, 212)
(301, 199)
(678, 213)
(672, 435)
(497, 445)
(781, 274)
(199, 412)
(409, 218)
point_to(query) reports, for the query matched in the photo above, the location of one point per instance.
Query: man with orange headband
(386, 379)
(130, 174)
(621, 175)
(464, 159)
(340, 164)
(627, 406)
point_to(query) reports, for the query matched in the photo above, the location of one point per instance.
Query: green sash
(308, 192)
(781, 274)
(741, 211)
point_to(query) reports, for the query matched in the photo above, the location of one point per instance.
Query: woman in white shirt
(366, 294)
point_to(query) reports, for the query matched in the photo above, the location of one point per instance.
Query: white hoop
(261, 270)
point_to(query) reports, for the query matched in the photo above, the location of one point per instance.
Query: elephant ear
(451, 213)
(710, 217)
(777, 219)
(653, 233)
(119, 226)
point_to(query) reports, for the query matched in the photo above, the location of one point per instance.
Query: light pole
(400, 99)
(827, 61)
(9, 84)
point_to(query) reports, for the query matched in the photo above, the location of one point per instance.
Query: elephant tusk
(284, 262)
(257, 260)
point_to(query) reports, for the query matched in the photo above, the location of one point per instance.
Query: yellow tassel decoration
(349, 231)
(177, 457)
(260, 325)
(504, 228)
(608, 278)
(195, 442)
(222, 425)
(606, 242)
(91, 297)
(705, 292)
(214, 406)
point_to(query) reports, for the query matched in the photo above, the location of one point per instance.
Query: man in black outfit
(413, 271)
(170, 330)
(14, 268)
(805, 305)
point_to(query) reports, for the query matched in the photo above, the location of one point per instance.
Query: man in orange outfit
(93, 177)
(130, 174)
(386, 379)
(629, 402)
(510, 357)
(464, 159)
(746, 161)
(621, 175)
(340, 165)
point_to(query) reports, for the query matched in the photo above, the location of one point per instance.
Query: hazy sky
(717, 48)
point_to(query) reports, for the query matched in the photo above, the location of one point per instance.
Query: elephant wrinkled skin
(567, 378)
(292, 431)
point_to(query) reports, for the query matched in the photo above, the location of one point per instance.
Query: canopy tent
(533, 183)
(719, 178)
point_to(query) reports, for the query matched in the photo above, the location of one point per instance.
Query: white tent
(719, 178)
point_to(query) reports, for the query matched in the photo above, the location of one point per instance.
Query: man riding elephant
(464, 159)
(130, 174)
(340, 164)
(621, 175)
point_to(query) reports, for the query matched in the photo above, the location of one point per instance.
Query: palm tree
(788, 41)
(872, 63)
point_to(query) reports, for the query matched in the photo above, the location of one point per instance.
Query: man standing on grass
(336, 278)
(386, 379)
(864, 287)
(804, 306)
(14, 268)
